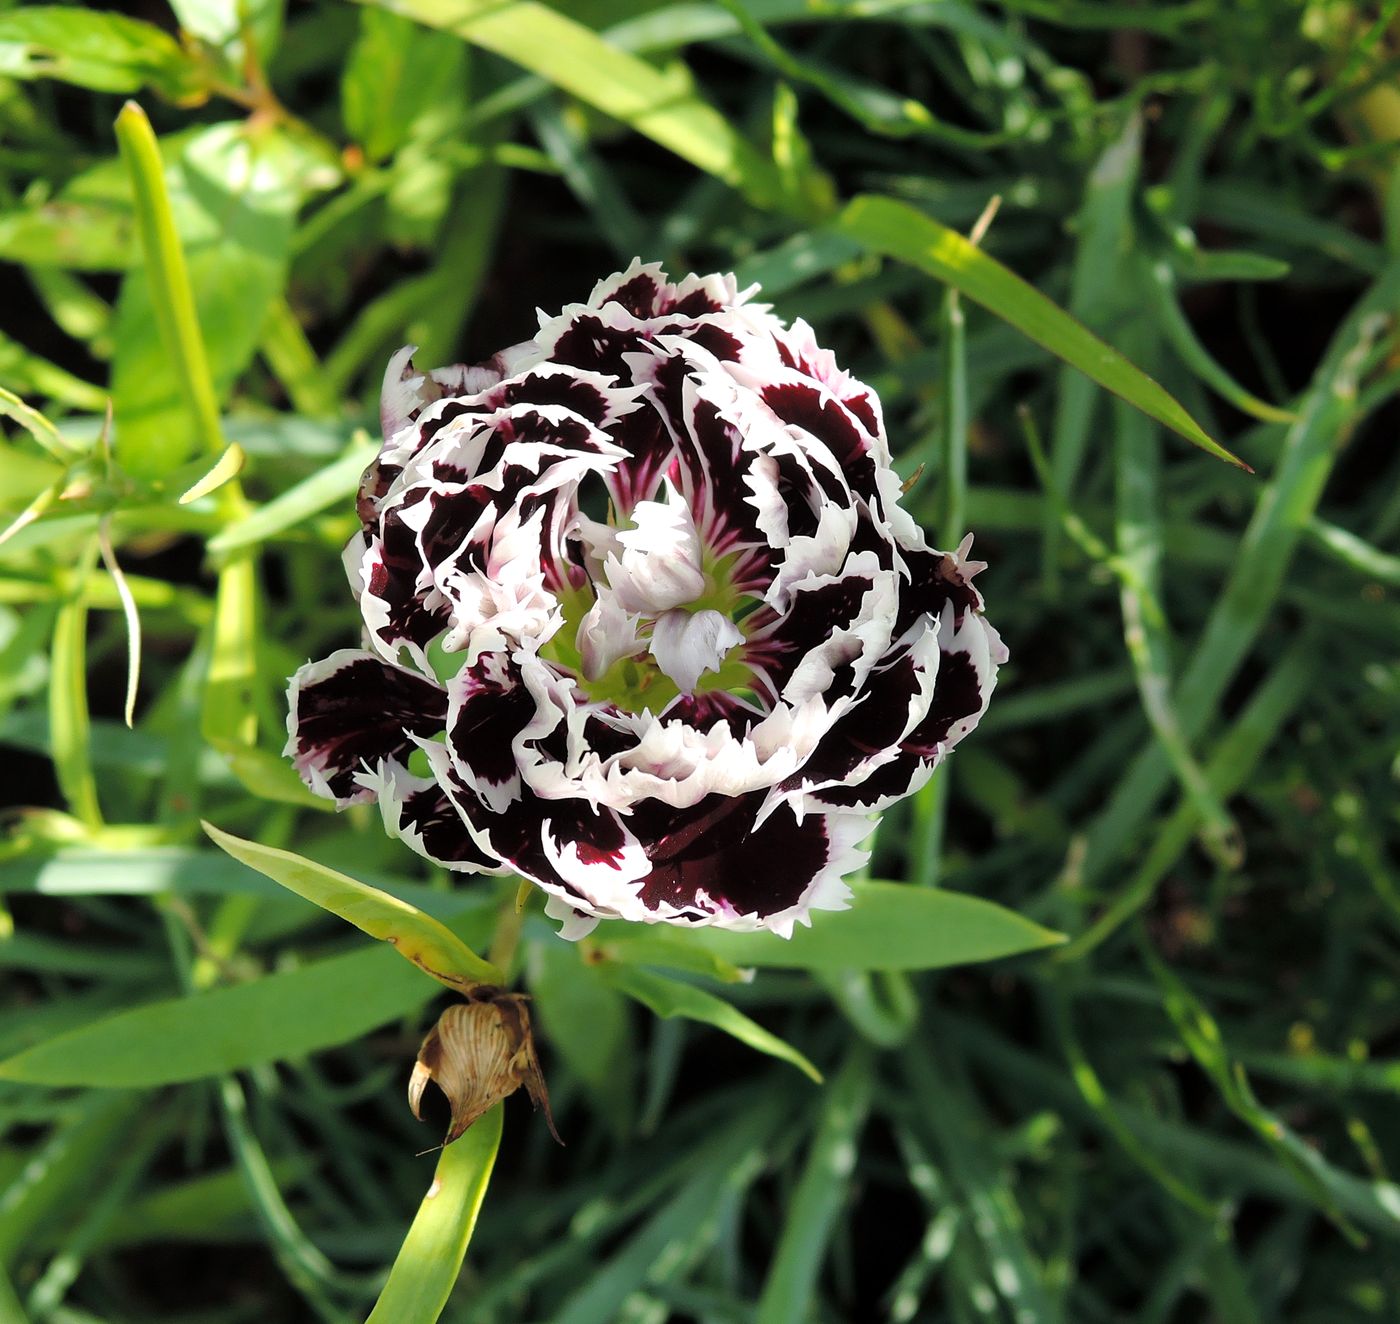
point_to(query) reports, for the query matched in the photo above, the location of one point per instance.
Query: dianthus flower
(644, 621)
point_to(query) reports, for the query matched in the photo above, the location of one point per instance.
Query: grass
(1185, 1112)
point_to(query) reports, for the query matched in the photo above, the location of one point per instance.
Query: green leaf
(789, 1291)
(104, 52)
(69, 724)
(430, 1259)
(889, 926)
(71, 234)
(227, 1029)
(897, 230)
(415, 936)
(667, 998)
(334, 483)
(396, 75)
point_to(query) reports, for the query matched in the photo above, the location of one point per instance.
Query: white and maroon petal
(713, 864)
(418, 812)
(488, 712)
(352, 710)
(967, 673)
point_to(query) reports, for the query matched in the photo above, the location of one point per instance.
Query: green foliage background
(1187, 1112)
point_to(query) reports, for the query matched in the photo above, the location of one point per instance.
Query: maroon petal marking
(353, 710)
(934, 579)
(807, 405)
(714, 853)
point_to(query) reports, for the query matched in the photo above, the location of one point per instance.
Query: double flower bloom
(644, 620)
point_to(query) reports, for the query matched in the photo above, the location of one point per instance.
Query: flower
(644, 620)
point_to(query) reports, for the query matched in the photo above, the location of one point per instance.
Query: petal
(351, 710)
(418, 812)
(687, 644)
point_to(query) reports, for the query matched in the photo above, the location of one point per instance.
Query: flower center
(655, 617)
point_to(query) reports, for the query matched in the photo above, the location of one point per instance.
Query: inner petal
(686, 644)
(660, 565)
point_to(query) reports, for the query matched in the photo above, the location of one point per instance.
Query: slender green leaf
(430, 1259)
(889, 926)
(279, 1016)
(574, 58)
(668, 997)
(415, 936)
(897, 230)
(790, 1288)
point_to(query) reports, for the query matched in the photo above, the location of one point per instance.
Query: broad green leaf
(431, 1256)
(231, 24)
(573, 57)
(668, 997)
(75, 235)
(415, 936)
(279, 1016)
(898, 230)
(889, 926)
(396, 74)
(104, 52)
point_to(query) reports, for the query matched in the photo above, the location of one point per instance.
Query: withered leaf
(480, 1052)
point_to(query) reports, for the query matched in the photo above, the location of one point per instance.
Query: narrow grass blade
(68, 703)
(1328, 411)
(1201, 1035)
(790, 1288)
(897, 230)
(417, 937)
(1146, 631)
(1227, 770)
(668, 997)
(326, 487)
(1103, 228)
(226, 468)
(431, 1257)
(1160, 287)
(228, 718)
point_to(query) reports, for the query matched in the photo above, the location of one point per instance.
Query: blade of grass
(1095, 298)
(1201, 1035)
(1284, 507)
(790, 1287)
(576, 59)
(68, 702)
(669, 997)
(417, 937)
(1156, 279)
(1227, 770)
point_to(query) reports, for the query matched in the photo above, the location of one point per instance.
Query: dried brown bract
(478, 1053)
